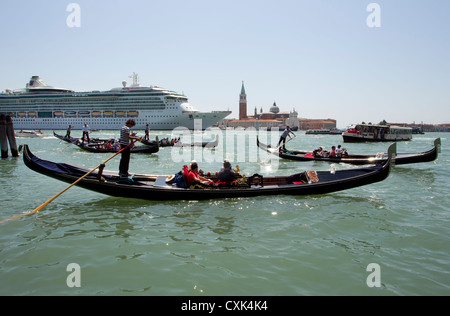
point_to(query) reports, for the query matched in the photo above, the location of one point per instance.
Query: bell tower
(243, 104)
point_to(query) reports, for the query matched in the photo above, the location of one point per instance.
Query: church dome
(274, 109)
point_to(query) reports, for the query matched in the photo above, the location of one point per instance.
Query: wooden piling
(3, 137)
(11, 136)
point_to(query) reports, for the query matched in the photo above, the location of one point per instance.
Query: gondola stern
(263, 146)
(390, 162)
(437, 145)
(392, 154)
(28, 158)
(27, 155)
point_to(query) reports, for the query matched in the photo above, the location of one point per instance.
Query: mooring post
(11, 136)
(3, 137)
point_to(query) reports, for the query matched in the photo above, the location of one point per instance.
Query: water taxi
(376, 133)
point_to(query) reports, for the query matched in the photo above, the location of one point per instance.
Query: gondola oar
(71, 144)
(277, 149)
(57, 195)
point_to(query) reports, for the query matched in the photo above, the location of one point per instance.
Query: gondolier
(125, 137)
(147, 130)
(69, 129)
(283, 136)
(86, 133)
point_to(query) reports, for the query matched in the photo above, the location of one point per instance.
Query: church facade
(272, 119)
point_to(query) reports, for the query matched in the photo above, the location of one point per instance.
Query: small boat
(162, 143)
(97, 145)
(30, 134)
(323, 132)
(101, 148)
(400, 159)
(73, 139)
(208, 144)
(152, 187)
(417, 130)
(376, 133)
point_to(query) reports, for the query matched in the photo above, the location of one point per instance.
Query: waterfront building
(272, 119)
(317, 124)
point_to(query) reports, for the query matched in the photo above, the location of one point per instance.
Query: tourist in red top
(191, 175)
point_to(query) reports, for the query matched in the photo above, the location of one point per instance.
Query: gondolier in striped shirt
(125, 137)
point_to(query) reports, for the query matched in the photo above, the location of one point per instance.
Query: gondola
(208, 144)
(29, 134)
(151, 187)
(160, 143)
(97, 145)
(73, 139)
(400, 159)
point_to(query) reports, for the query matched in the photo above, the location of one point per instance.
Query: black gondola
(209, 144)
(400, 159)
(150, 187)
(99, 145)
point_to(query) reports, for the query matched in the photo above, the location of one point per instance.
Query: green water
(284, 245)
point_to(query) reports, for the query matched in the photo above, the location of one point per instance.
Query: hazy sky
(317, 56)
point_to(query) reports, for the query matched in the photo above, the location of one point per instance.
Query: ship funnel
(36, 82)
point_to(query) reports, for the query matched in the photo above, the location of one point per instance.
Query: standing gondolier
(147, 130)
(69, 129)
(283, 136)
(125, 137)
(86, 133)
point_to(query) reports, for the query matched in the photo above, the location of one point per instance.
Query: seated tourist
(191, 175)
(318, 152)
(226, 175)
(116, 145)
(338, 151)
(333, 152)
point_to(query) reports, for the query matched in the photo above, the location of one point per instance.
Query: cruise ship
(42, 106)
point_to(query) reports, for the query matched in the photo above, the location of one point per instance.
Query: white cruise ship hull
(156, 121)
(41, 106)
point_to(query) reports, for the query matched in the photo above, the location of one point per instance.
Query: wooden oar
(277, 149)
(53, 198)
(71, 144)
